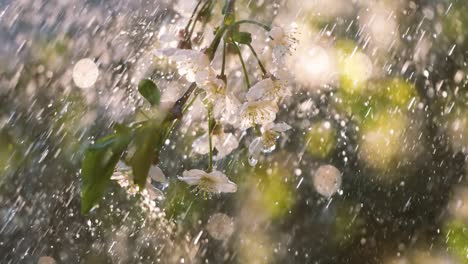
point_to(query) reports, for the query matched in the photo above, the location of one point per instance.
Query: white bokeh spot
(85, 73)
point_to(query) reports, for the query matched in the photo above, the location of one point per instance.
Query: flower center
(207, 185)
(269, 139)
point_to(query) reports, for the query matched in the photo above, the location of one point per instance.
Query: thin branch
(187, 27)
(246, 21)
(198, 16)
(223, 66)
(246, 75)
(210, 135)
(258, 59)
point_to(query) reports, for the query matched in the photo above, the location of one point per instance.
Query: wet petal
(201, 145)
(260, 89)
(156, 174)
(225, 144)
(255, 147)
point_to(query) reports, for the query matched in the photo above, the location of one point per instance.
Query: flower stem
(223, 66)
(176, 111)
(198, 16)
(187, 27)
(260, 64)
(210, 135)
(186, 42)
(211, 50)
(176, 121)
(247, 81)
(253, 22)
(179, 108)
(197, 92)
(229, 12)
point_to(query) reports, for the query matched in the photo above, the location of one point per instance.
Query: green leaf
(103, 142)
(98, 165)
(456, 237)
(242, 37)
(146, 143)
(149, 90)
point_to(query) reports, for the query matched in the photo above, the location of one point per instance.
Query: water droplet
(253, 161)
(270, 149)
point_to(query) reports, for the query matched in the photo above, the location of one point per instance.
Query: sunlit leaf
(145, 145)
(321, 139)
(150, 91)
(98, 165)
(104, 142)
(456, 235)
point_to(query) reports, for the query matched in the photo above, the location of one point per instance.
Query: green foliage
(144, 151)
(11, 152)
(377, 96)
(275, 195)
(150, 91)
(347, 223)
(321, 140)
(456, 235)
(99, 163)
(68, 125)
(101, 158)
(456, 21)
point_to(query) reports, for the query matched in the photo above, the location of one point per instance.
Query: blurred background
(373, 171)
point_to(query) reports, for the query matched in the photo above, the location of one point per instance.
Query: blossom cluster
(253, 110)
(256, 109)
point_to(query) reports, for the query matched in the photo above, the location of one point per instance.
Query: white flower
(192, 64)
(282, 42)
(226, 109)
(257, 113)
(213, 182)
(270, 89)
(156, 174)
(123, 176)
(215, 88)
(267, 141)
(259, 90)
(216, 94)
(224, 143)
(152, 192)
(195, 66)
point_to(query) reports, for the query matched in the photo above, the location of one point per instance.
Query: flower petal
(227, 187)
(192, 177)
(225, 144)
(153, 192)
(258, 112)
(221, 182)
(194, 173)
(260, 89)
(201, 145)
(156, 174)
(281, 127)
(256, 147)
